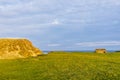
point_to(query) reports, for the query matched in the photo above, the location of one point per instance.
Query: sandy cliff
(11, 48)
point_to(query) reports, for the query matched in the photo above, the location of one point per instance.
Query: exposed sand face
(12, 48)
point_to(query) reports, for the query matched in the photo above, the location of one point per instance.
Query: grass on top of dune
(63, 66)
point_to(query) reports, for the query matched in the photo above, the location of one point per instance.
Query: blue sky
(63, 24)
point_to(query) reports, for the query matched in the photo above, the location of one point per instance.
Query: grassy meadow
(63, 66)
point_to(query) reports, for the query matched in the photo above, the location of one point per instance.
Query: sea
(46, 52)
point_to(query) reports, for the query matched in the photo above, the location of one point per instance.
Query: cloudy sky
(63, 24)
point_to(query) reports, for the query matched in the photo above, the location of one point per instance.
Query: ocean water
(46, 52)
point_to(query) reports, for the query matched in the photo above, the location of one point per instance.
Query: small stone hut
(101, 51)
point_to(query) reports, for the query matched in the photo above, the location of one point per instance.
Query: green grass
(63, 66)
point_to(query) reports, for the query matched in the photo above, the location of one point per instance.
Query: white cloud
(56, 22)
(39, 18)
(54, 45)
(105, 43)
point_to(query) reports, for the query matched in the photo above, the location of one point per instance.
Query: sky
(62, 24)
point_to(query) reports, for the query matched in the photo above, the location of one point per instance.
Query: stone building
(102, 51)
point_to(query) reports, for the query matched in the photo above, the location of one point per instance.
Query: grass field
(63, 66)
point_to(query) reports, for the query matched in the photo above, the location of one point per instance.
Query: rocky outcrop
(17, 48)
